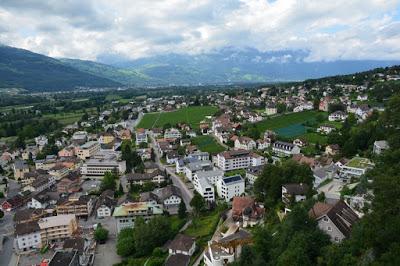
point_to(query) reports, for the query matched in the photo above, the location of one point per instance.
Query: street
(176, 180)
(7, 231)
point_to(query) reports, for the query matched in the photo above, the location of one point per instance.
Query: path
(220, 143)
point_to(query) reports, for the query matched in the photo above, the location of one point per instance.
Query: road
(187, 194)
(7, 230)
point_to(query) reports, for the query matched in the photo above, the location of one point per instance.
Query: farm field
(191, 115)
(287, 120)
(207, 144)
(69, 118)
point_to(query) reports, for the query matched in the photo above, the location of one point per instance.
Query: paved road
(7, 230)
(187, 194)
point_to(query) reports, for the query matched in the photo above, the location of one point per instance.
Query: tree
(101, 234)
(198, 203)
(108, 182)
(126, 242)
(1, 214)
(182, 210)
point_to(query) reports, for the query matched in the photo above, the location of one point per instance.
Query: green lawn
(315, 137)
(191, 115)
(286, 120)
(203, 226)
(70, 117)
(207, 144)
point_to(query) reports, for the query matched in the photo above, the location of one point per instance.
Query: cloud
(329, 30)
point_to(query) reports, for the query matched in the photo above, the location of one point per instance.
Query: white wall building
(231, 186)
(88, 149)
(172, 133)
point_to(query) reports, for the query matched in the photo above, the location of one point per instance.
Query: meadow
(190, 115)
(207, 144)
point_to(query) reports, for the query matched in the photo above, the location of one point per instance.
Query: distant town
(179, 176)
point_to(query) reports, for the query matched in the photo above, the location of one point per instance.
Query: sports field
(207, 144)
(191, 115)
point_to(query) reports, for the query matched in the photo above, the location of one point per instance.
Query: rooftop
(232, 179)
(359, 162)
(56, 220)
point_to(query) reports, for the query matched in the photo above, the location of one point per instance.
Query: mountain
(233, 65)
(24, 69)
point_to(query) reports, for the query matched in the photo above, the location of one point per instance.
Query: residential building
(247, 211)
(156, 177)
(105, 204)
(245, 143)
(41, 183)
(336, 220)
(356, 167)
(337, 116)
(96, 168)
(182, 244)
(141, 136)
(88, 149)
(172, 157)
(325, 129)
(59, 171)
(40, 201)
(106, 138)
(211, 175)
(294, 192)
(229, 187)
(380, 146)
(172, 133)
(191, 168)
(67, 152)
(204, 188)
(284, 149)
(20, 168)
(238, 159)
(271, 109)
(79, 205)
(199, 155)
(324, 104)
(221, 252)
(126, 214)
(41, 141)
(70, 183)
(56, 228)
(27, 236)
(252, 173)
(13, 203)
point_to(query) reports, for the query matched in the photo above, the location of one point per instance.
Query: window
(329, 229)
(326, 219)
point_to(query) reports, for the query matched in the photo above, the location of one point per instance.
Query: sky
(88, 29)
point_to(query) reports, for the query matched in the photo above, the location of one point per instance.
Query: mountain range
(22, 68)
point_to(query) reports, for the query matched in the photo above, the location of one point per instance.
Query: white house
(172, 133)
(380, 146)
(263, 144)
(285, 148)
(204, 188)
(212, 176)
(245, 143)
(325, 129)
(39, 202)
(337, 116)
(231, 186)
(27, 236)
(271, 109)
(356, 167)
(140, 136)
(191, 168)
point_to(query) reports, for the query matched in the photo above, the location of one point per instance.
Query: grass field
(69, 118)
(207, 144)
(191, 115)
(315, 137)
(283, 121)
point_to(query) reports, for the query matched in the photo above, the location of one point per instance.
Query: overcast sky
(329, 30)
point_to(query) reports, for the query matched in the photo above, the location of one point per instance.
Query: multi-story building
(283, 149)
(239, 159)
(204, 188)
(191, 168)
(126, 214)
(245, 143)
(41, 183)
(212, 176)
(141, 136)
(88, 149)
(27, 236)
(356, 167)
(156, 177)
(96, 168)
(20, 168)
(172, 133)
(56, 228)
(230, 186)
(78, 205)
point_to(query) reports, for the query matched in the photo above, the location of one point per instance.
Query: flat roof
(232, 179)
(58, 220)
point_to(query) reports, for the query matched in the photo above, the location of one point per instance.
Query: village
(174, 156)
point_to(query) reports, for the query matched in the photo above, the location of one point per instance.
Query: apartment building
(204, 188)
(88, 149)
(172, 133)
(27, 236)
(96, 168)
(78, 205)
(141, 136)
(191, 168)
(238, 159)
(126, 214)
(56, 228)
(283, 149)
(230, 186)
